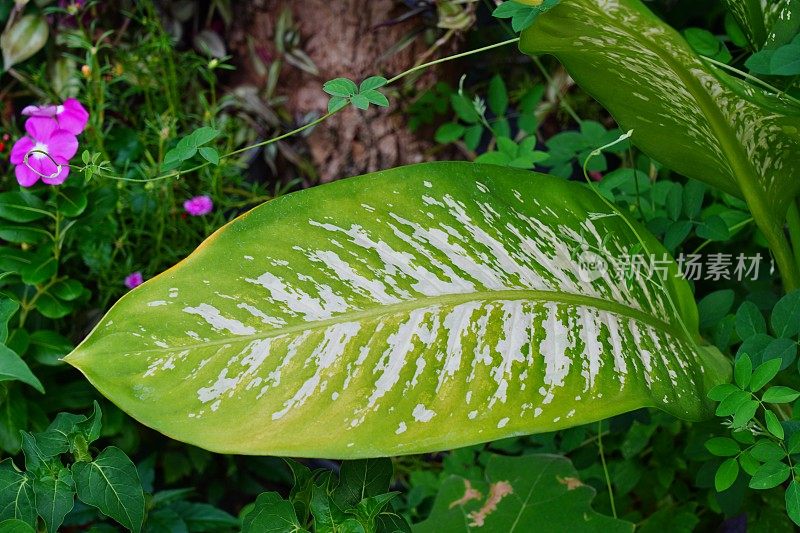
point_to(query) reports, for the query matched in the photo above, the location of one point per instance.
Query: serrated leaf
(432, 293)
(691, 117)
(111, 484)
(511, 500)
(23, 39)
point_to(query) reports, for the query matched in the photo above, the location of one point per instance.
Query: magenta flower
(133, 280)
(198, 206)
(48, 150)
(70, 115)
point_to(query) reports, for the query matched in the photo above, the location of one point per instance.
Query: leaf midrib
(420, 303)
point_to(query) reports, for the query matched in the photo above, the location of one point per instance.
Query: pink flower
(198, 206)
(70, 116)
(133, 280)
(48, 151)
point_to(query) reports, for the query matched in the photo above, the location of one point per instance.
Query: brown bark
(341, 38)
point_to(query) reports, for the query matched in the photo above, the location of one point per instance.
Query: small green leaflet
(189, 146)
(523, 13)
(344, 91)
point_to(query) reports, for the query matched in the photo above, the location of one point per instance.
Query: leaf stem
(605, 468)
(451, 58)
(754, 79)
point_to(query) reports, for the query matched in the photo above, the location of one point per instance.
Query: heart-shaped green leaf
(698, 121)
(417, 309)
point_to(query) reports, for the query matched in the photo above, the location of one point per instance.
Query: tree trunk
(343, 39)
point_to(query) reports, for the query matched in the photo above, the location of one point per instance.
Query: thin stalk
(605, 468)
(758, 81)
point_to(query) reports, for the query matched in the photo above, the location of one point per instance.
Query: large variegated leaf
(699, 122)
(411, 310)
(758, 17)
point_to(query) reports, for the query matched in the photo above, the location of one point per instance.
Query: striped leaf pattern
(412, 310)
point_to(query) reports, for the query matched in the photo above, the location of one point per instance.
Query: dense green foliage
(708, 95)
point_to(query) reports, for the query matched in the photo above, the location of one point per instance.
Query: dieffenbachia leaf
(531, 493)
(758, 18)
(417, 309)
(698, 121)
